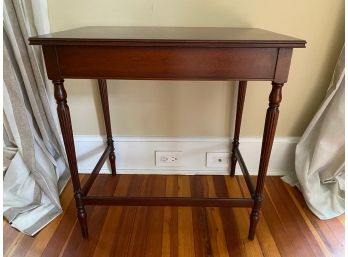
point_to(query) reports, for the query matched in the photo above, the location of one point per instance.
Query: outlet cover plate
(218, 160)
(168, 159)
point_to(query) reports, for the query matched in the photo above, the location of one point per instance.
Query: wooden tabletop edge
(108, 41)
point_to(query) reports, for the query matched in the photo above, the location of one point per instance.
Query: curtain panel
(319, 158)
(35, 167)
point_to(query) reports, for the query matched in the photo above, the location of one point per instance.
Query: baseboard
(136, 155)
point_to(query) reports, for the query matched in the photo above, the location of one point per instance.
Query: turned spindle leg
(66, 128)
(268, 136)
(240, 104)
(103, 90)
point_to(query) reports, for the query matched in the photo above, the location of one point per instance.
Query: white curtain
(319, 158)
(35, 169)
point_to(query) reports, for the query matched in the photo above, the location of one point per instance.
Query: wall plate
(168, 159)
(218, 160)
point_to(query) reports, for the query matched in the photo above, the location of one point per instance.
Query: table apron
(180, 63)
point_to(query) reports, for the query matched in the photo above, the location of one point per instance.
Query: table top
(204, 36)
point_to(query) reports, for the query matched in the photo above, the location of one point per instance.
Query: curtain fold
(35, 170)
(319, 158)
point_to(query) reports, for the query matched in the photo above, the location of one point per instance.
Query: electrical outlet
(218, 160)
(168, 159)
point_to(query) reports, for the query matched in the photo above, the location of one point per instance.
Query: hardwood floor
(286, 227)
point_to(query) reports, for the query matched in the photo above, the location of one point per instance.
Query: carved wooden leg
(240, 104)
(268, 136)
(66, 127)
(103, 89)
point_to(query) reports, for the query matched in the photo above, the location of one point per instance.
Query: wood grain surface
(286, 226)
(200, 36)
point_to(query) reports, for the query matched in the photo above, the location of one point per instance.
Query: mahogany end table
(168, 53)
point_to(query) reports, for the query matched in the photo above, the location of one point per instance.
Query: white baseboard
(136, 155)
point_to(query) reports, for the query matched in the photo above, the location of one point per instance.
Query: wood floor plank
(68, 238)
(301, 225)
(279, 232)
(286, 226)
(23, 245)
(199, 219)
(155, 222)
(106, 185)
(112, 221)
(230, 226)
(295, 222)
(309, 224)
(332, 238)
(147, 239)
(138, 239)
(60, 235)
(122, 237)
(11, 251)
(216, 230)
(96, 220)
(341, 218)
(241, 215)
(10, 237)
(170, 221)
(185, 225)
(336, 232)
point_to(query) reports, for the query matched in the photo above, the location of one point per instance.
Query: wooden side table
(168, 54)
